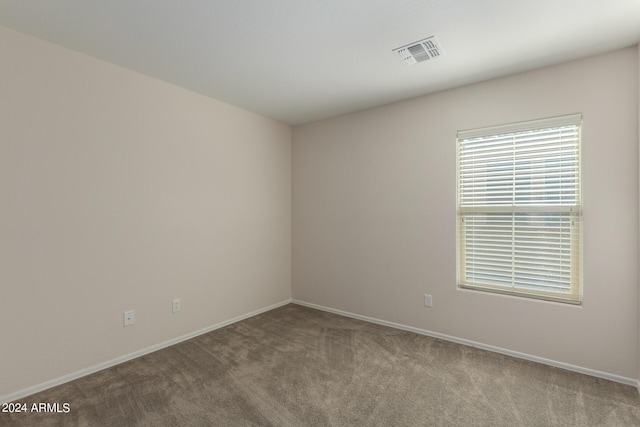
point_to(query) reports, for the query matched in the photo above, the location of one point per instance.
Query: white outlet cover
(129, 318)
(428, 301)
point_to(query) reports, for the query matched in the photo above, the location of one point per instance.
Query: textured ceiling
(302, 60)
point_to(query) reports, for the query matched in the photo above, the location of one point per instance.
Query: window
(519, 209)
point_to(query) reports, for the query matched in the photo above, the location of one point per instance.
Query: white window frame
(519, 226)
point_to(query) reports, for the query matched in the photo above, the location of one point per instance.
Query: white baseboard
(84, 372)
(562, 365)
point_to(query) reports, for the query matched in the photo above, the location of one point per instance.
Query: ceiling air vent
(420, 51)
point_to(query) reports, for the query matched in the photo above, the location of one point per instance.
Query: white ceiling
(303, 60)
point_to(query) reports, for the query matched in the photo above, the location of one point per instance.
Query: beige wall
(374, 214)
(122, 192)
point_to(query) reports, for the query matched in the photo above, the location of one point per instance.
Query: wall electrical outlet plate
(129, 318)
(428, 300)
(175, 307)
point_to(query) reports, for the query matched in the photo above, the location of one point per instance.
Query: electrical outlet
(175, 307)
(428, 300)
(129, 318)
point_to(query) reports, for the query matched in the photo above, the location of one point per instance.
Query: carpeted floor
(295, 366)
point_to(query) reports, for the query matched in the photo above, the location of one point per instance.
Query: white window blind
(519, 209)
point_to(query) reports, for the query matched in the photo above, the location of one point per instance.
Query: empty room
(297, 213)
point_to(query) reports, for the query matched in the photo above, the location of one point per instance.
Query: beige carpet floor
(296, 366)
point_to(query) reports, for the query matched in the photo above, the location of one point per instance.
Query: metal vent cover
(420, 51)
